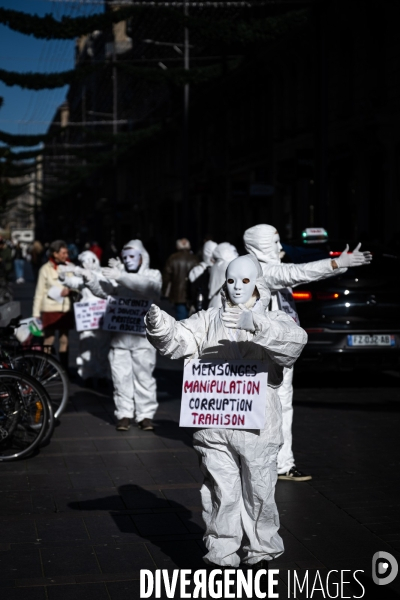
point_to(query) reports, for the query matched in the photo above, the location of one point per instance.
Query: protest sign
(126, 315)
(220, 394)
(89, 313)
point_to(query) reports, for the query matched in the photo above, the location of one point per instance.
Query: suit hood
(223, 254)
(258, 240)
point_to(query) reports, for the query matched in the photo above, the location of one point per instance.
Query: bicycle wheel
(24, 414)
(48, 371)
(51, 423)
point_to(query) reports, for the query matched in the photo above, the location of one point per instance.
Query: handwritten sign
(224, 395)
(88, 314)
(126, 315)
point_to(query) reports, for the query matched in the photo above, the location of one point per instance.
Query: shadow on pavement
(162, 528)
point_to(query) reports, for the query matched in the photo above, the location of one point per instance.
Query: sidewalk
(80, 519)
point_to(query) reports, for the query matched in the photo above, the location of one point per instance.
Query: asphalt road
(82, 517)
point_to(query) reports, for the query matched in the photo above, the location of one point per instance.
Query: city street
(81, 518)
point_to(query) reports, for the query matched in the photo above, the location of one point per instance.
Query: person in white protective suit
(264, 243)
(94, 345)
(206, 263)
(199, 278)
(132, 358)
(223, 254)
(239, 466)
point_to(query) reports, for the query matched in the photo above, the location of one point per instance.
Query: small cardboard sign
(126, 315)
(224, 395)
(88, 314)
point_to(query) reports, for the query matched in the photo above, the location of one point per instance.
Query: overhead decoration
(7, 153)
(68, 28)
(40, 81)
(226, 31)
(247, 30)
(177, 76)
(12, 139)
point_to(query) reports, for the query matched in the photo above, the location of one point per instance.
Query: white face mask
(132, 259)
(89, 261)
(241, 278)
(276, 246)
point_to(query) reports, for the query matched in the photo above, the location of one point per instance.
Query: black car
(351, 319)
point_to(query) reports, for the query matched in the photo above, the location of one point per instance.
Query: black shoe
(146, 425)
(123, 424)
(294, 475)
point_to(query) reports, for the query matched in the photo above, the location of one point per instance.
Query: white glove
(355, 259)
(65, 269)
(111, 272)
(153, 317)
(85, 273)
(238, 317)
(116, 262)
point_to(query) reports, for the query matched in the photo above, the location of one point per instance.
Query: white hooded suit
(94, 345)
(222, 256)
(132, 358)
(207, 261)
(258, 240)
(238, 491)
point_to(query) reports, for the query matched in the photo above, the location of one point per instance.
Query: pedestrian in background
(51, 302)
(19, 264)
(175, 277)
(36, 252)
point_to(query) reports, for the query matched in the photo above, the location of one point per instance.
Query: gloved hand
(116, 262)
(153, 317)
(238, 317)
(111, 272)
(355, 259)
(62, 270)
(85, 273)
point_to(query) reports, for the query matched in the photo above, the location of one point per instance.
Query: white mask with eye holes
(132, 259)
(276, 247)
(241, 276)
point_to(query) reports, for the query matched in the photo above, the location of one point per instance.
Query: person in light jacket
(51, 302)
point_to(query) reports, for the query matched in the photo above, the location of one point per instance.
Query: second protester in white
(94, 345)
(132, 358)
(264, 243)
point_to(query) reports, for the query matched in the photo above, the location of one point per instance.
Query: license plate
(375, 339)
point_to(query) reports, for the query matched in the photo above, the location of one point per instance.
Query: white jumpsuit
(238, 491)
(132, 358)
(279, 277)
(94, 345)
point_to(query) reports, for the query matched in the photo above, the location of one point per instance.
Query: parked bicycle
(26, 414)
(37, 363)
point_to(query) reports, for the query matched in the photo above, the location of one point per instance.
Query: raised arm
(100, 287)
(174, 339)
(280, 276)
(147, 285)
